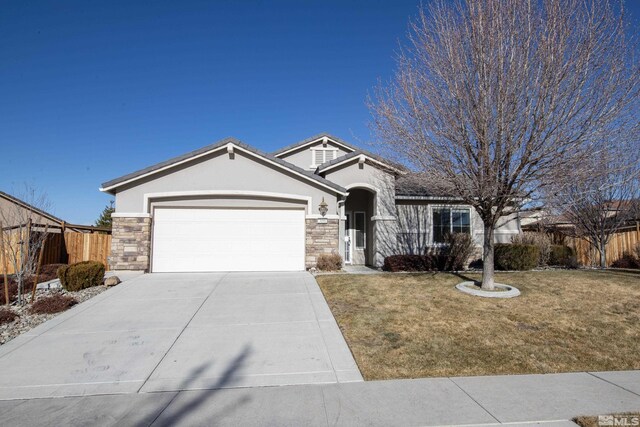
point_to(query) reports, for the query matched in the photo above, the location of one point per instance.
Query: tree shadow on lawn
(177, 413)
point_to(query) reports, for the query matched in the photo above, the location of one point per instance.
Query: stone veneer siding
(130, 244)
(321, 238)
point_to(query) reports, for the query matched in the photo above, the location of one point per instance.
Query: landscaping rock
(51, 284)
(112, 281)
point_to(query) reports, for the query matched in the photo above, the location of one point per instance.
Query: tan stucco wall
(220, 172)
(12, 214)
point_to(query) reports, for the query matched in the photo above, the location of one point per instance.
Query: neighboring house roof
(111, 185)
(312, 140)
(29, 207)
(414, 186)
(367, 156)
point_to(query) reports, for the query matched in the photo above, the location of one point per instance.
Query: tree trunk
(487, 258)
(603, 256)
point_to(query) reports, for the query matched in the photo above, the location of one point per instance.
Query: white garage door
(228, 240)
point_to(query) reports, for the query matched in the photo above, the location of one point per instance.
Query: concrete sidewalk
(550, 400)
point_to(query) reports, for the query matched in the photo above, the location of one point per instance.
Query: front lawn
(418, 325)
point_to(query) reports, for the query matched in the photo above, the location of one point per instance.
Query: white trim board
(195, 193)
(357, 159)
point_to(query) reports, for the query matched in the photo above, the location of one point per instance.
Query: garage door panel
(228, 240)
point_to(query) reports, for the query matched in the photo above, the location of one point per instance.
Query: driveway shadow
(179, 408)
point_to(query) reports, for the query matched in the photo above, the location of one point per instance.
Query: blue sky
(92, 90)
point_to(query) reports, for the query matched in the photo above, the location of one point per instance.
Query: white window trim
(324, 155)
(452, 207)
(364, 230)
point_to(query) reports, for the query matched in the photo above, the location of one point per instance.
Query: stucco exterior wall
(354, 174)
(219, 172)
(302, 157)
(415, 217)
(12, 214)
(381, 224)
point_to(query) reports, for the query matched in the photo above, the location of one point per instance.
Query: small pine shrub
(329, 262)
(561, 255)
(81, 275)
(516, 256)
(53, 304)
(7, 315)
(540, 240)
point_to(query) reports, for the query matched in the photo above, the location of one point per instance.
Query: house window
(360, 230)
(320, 155)
(448, 221)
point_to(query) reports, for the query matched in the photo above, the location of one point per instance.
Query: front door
(347, 239)
(356, 238)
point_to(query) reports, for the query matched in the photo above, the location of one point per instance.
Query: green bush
(516, 256)
(561, 255)
(81, 275)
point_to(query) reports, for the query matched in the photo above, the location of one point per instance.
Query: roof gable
(314, 140)
(365, 156)
(228, 144)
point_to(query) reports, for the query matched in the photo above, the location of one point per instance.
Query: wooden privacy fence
(66, 248)
(624, 241)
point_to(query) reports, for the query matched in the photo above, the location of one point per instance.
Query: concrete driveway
(169, 332)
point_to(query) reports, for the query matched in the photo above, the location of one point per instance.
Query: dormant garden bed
(419, 325)
(27, 320)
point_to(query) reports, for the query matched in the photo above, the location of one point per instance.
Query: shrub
(53, 304)
(7, 315)
(81, 275)
(454, 255)
(13, 289)
(540, 240)
(410, 263)
(627, 260)
(329, 262)
(561, 255)
(49, 272)
(516, 256)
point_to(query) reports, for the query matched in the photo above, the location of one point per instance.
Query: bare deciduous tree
(602, 195)
(495, 100)
(24, 234)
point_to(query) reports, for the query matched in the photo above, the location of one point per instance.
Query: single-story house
(231, 207)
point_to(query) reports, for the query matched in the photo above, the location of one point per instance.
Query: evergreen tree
(105, 220)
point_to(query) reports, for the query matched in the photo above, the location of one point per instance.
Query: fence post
(4, 265)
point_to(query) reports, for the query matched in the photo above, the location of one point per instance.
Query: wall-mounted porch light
(323, 208)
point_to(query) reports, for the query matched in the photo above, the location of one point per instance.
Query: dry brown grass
(592, 421)
(418, 325)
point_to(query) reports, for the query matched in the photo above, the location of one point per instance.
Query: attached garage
(204, 239)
